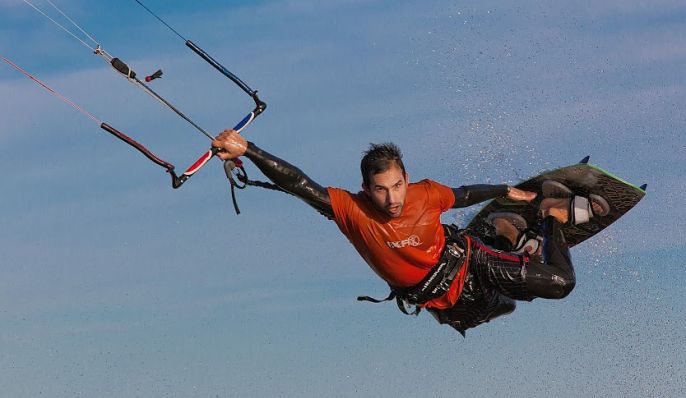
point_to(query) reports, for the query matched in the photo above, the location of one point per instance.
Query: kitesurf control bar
(177, 180)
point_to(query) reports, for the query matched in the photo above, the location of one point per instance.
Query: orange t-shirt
(400, 250)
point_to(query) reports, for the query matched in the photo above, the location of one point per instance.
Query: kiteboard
(583, 179)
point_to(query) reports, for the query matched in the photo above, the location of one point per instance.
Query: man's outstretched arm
(288, 177)
(291, 179)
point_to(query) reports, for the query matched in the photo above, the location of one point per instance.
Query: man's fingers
(226, 133)
(518, 194)
(230, 144)
(528, 196)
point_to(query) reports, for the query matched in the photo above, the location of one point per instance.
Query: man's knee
(563, 285)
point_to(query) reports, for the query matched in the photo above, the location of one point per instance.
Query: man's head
(384, 178)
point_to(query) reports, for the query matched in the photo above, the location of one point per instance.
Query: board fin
(585, 160)
(644, 186)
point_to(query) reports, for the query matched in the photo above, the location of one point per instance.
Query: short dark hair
(379, 158)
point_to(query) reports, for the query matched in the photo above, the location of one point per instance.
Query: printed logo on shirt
(412, 240)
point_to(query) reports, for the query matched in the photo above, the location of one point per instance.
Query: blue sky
(112, 284)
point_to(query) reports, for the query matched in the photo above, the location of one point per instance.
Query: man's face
(388, 190)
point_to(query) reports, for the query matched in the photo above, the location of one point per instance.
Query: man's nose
(393, 196)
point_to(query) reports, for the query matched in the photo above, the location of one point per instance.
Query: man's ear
(407, 177)
(365, 189)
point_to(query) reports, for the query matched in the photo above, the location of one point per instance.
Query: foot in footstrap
(524, 240)
(581, 208)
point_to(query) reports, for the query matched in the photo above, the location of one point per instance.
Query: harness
(438, 281)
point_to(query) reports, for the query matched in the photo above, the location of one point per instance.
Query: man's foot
(558, 208)
(555, 189)
(576, 210)
(514, 228)
(507, 225)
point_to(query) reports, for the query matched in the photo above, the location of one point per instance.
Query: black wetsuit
(495, 277)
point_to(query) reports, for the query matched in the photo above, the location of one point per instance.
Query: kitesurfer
(395, 226)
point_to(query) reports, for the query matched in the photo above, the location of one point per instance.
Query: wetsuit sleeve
(468, 195)
(291, 179)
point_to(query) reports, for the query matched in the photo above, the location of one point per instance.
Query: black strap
(390, 297)
(402, 304)
(242, 177)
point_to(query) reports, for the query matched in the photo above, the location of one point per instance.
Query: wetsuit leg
(554, 278)
(517, 277)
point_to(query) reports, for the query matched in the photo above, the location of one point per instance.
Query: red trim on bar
(199, 163)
